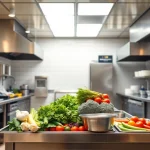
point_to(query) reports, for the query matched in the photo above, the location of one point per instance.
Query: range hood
(14, 43)
(138, 49)
(134, 52)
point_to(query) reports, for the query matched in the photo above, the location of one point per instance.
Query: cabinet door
(125, 104)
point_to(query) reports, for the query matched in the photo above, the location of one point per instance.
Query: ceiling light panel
(60, 17)
(94, 8)
(57, 9)
(88, 30)
(61, 26)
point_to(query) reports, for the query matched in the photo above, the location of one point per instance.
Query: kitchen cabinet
(134, 107)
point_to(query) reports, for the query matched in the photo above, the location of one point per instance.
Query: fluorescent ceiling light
(27, 31)
(57, 9)
(61, 26)
(88, 30)
(94, 8)
(60, 17)
(12, 13)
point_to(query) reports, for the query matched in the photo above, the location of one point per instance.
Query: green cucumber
(126, 129)
(132, 127)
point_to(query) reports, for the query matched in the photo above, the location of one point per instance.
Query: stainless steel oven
(136, 108)
(11, 111)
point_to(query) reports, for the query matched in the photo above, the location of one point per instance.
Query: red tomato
(59, 128)
(142, 120)
(132, 123)
(134, 118)
(74, 128)
(81, 128)
(52, 129)
(105, 96)
(139, 124)
(106, 101)
(148, 123)
(146, 126)
(98, 100)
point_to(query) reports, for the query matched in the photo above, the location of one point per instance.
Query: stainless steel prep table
(75, 140)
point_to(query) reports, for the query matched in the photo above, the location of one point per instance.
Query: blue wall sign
(105, 59)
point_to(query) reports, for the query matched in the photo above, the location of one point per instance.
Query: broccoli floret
(106, 108)
(89, 107)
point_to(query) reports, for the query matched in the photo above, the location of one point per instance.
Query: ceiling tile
(121, 19)
(109, 34)
(3, 12)
(133, 9)
(125, 34)
(24, 8)
(13, 1)
(42, 28)
(131, 1)
(42, 34)
(91, 19)
(56, 1)
(85, 1)
(97, 1)
(113, 28)
(30, 20)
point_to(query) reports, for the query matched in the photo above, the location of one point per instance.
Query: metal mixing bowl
(101, 122)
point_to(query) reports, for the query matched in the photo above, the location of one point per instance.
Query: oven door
(10, 116)
(136, 108)
(11, 111)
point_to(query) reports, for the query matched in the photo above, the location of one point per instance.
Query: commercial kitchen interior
(69, 47)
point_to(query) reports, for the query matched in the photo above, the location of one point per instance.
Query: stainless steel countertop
(15, 99)
(135, 97)
(75, 137)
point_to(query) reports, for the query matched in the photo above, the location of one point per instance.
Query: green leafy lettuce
(64, 110)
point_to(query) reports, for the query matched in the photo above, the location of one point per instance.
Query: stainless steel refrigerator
(101, 75)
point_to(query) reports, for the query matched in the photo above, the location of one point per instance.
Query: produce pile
(133, 124)
(63, 113)
(93, 102)
(24, 121)
(85, 94)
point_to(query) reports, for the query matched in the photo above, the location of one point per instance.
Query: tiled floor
(2, 147)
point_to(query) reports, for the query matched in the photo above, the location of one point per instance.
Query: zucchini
(129, 130)
(132, 127)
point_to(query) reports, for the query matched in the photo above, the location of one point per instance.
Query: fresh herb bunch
(64, 110)
(14, 125)
(85, 94)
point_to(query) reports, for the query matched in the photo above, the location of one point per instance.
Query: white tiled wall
(66, 62)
